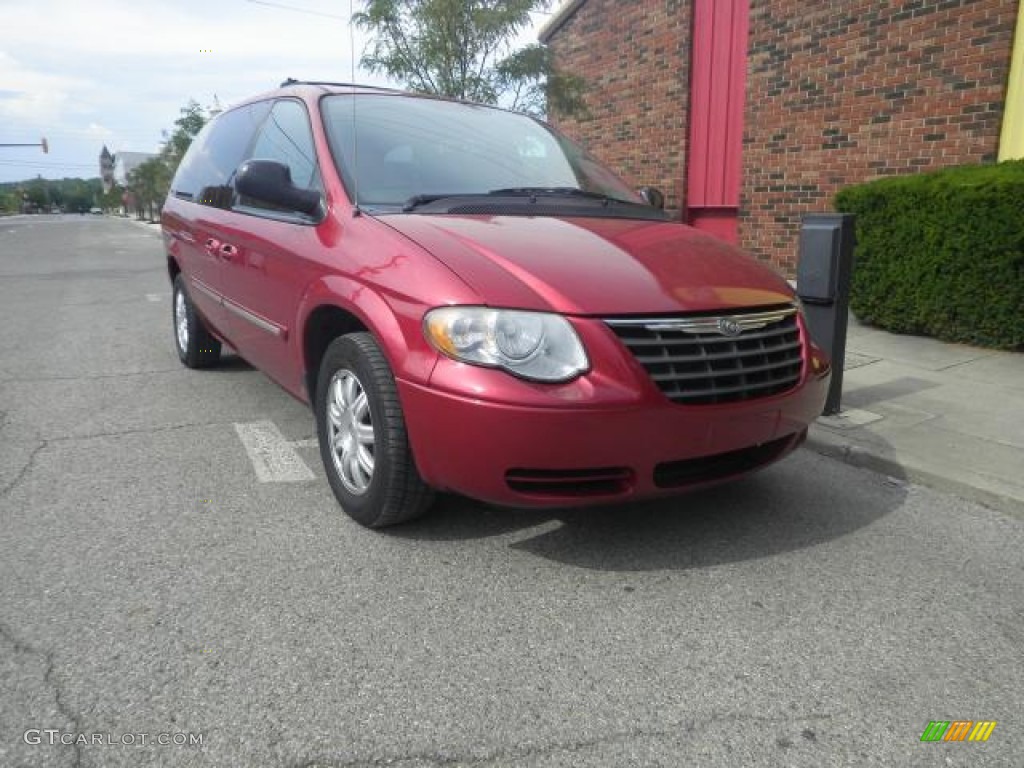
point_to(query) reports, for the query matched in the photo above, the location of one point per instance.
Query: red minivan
(472, 303)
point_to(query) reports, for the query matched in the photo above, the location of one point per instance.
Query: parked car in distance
(96, 211)
(472, 303)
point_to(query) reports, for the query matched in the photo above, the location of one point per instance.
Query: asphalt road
(150, 583)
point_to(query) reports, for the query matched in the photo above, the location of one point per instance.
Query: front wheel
(363, 441)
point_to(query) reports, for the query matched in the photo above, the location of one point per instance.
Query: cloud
(116, 28)
(116, 72)
(98, 131)
(32, 97)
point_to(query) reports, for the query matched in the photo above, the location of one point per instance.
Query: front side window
(206, 172)
(390, 149)
(286, 137)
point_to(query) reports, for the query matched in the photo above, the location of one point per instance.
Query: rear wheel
(197, 347)
(363, 442)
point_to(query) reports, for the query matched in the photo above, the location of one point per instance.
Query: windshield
(405, 147)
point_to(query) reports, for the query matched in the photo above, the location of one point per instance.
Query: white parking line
(273, 457)
(154, 297)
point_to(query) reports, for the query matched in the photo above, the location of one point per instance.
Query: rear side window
(208, 168)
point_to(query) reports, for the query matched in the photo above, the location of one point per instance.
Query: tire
(197, 347)
(363, 442)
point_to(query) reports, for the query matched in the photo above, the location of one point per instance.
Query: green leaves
(73, 195)
(193, 118)
(942, 253)
(462, 49)
(150, 182)
(530, 75)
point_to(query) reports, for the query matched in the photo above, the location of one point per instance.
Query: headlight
(533, 345)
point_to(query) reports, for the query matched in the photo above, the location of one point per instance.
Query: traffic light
(45, 146)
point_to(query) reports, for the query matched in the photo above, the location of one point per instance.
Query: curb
(907, 469)
(149, 226)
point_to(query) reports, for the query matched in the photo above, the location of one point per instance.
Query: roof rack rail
(293, 81)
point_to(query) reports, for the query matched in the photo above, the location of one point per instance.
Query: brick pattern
(838, 92)
(844, 91)
(635, 58)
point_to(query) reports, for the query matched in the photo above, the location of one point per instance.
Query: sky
(89, 73)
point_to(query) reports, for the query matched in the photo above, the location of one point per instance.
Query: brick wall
(635, 58)
(848, 90)
(838, 91)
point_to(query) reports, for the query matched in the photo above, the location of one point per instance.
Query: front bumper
(571, 455)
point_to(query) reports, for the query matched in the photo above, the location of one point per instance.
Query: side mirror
(653, 196)
(271, 182)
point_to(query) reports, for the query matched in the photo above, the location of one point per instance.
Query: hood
(598, 266)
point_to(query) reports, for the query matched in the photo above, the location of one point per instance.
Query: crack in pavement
(20, 646)
(141, 431)
(141, 299)
(4, 492)
(96, 377)
(519, 753)
(99, 273)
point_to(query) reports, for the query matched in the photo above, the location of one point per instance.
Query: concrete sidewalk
(945, 415)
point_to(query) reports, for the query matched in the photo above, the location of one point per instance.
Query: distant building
(107, 169)
(126, 162)
(115, 169)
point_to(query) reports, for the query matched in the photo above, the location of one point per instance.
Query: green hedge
(942, 253)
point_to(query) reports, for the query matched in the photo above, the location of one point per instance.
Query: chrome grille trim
(717, 359)
(746, 321)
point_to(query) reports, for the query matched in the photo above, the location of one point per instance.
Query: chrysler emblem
(729, 327)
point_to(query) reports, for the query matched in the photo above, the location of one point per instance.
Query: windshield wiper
(416, 201)
(427, 198)
(561, 191)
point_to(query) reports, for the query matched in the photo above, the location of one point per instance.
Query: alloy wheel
(181, 319)
(350, 431)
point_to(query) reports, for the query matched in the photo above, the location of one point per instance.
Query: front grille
(694, 363)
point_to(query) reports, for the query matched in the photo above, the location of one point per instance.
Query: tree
(193, 118)
(9, 202)
(42, 194)
(111, 200)
(150, 182)
(37, 194)
(463, 49)
(80, 195)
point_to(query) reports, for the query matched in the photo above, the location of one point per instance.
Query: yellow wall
(1011, 141)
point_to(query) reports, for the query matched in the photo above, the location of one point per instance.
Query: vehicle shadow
(803, 501)
(230, 362)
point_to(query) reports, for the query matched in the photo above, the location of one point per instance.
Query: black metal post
(824, 274)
